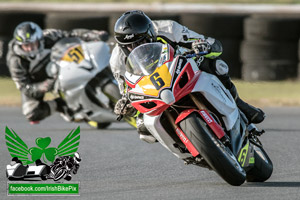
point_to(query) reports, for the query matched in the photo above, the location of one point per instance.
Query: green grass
(279, 93)
(10, 96)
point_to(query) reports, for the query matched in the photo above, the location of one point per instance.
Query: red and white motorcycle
(193, 115)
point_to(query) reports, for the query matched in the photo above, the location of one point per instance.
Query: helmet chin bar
(30, 54)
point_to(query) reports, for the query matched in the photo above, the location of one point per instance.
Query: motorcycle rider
(28, 59)
(134, 28)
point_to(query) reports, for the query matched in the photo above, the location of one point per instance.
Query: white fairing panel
(73, 78)
(214, 91)
(156, 129)
(73, 74)
(98, 53)
(77, 97)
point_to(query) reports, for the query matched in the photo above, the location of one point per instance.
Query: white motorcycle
(85, 81)
(193, 115)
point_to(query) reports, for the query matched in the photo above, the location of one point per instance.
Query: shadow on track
(273, 184)
(282, 130)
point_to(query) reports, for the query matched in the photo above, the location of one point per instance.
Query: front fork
(203, 112)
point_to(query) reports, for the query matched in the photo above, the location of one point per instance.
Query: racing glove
(37, 90)
(123, 107)
(201, 46)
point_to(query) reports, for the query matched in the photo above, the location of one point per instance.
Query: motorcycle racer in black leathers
(28, 59)
(134, 28)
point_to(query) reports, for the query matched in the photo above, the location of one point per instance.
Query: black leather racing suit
(31, 74)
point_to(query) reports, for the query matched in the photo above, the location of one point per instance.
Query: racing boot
(145, 135)
(65, 112)
(254, 115)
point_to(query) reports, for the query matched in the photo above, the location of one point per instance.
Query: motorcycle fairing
(74, 74)
(214, 126)
(155, 127)
(167, 55)
(215, 92)
(78, 97)
(151, 85)
(191, 148)
(98, 53)
(168, 90)
(76, 66)
(74, 54)
(238, 134)
(246, 156)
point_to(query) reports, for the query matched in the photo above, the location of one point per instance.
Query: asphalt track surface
(117, 165)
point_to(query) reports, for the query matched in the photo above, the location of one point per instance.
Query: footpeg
(259, 133)
(254, 130)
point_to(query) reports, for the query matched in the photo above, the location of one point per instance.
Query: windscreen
(143, 60)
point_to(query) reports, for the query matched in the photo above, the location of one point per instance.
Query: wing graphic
(16, 146)
(70, 144)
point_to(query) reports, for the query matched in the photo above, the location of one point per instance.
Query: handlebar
(196, 54)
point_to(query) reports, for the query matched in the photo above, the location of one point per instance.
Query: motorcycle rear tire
(263, 166)
(219, 157)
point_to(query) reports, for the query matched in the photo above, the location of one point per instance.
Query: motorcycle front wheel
(263, 166)
(219, 157)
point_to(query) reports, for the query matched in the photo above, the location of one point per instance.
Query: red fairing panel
(192, 80)
(129, 84)
(171, 54)
(132, 85)
(187, 142)
(156, 110)
(215, 127)
(184, 114)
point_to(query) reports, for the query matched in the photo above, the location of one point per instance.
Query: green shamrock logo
(17, 147)
(42, 150)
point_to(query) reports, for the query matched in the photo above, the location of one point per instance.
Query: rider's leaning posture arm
(28, 59)
(134, 28)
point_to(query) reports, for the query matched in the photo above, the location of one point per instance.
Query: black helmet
(134, 27)
(28, 33)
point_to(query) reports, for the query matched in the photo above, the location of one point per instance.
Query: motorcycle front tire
(219, 157)
(263, 166)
